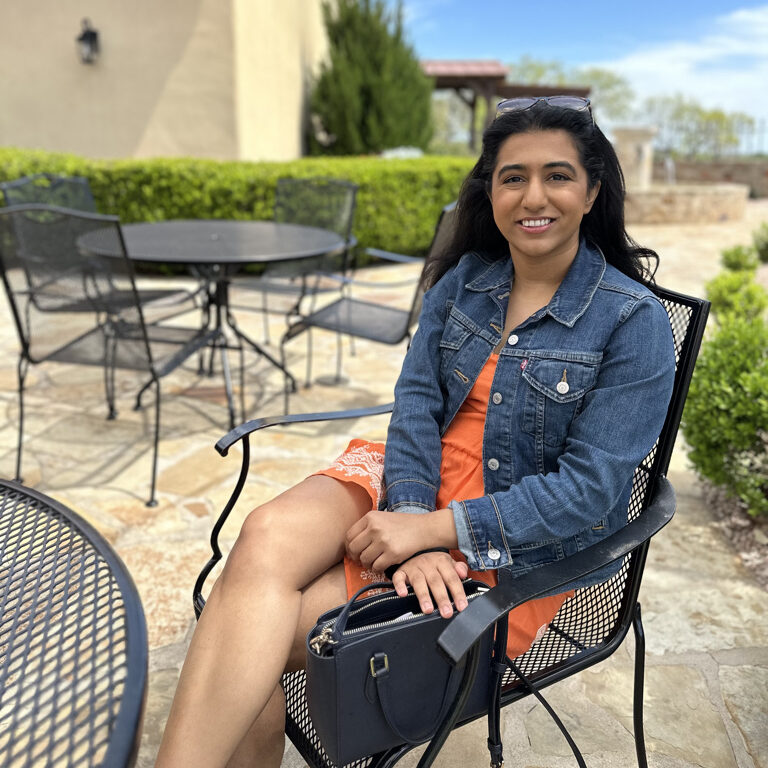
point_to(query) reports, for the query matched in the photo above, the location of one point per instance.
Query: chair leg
(152, 502)
(308, 380)
(265, 316)
(22, 369)
(637, 624)
(339, 351)
(110, 344)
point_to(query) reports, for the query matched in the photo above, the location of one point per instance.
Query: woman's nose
(535, 195)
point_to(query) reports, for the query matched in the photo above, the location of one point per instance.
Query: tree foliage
(611, 94)
(371, 94)
(688, 128)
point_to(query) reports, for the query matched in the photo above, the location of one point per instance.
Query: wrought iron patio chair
(74, 192)
(72, 307)
(313, 202)
(63, 191)
(371, 320)
(588, 628)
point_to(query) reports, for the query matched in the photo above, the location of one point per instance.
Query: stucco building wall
(225, 79)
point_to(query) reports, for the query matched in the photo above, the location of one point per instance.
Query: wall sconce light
(88, 43)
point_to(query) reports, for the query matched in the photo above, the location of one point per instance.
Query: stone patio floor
(706, 701)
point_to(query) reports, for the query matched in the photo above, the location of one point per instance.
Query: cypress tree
(371, 94)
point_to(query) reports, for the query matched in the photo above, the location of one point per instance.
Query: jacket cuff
(411, 496)
(484, 545)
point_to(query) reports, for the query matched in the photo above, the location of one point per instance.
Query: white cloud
(727, 67)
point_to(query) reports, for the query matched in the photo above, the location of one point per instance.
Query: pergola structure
(486, 80)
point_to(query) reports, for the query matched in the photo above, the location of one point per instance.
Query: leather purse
(370, 663)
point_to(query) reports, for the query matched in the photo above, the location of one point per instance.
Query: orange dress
(461, 477)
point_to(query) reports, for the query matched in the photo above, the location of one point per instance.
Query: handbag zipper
(323, 639)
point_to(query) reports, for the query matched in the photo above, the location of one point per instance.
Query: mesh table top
(73, 642)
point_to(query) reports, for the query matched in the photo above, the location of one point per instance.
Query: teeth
(535, 222)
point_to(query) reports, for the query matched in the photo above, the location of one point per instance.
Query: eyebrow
(521, 167)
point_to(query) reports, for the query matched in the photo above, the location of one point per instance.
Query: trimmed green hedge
(725, 421)
(397, 204)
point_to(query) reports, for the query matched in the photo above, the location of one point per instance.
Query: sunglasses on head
(521, 103)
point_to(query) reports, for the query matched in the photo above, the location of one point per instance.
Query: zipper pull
(318, 642)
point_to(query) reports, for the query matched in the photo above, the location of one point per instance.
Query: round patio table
(216, 249)
(73, 640)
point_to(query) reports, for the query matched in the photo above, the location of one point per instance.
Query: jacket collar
(573, 295)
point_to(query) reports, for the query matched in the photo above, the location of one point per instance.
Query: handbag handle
(341, 622)
(380, 672)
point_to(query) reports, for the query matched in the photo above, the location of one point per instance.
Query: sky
(714, 51)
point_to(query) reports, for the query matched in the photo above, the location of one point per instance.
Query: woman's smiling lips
(536, 225)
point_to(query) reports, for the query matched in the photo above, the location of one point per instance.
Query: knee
(260, 545)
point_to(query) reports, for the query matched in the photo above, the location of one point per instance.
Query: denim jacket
(578, 399)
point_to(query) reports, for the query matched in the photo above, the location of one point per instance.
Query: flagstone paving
(706, 700)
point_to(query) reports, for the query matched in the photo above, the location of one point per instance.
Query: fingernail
(461, 604)
(446, 611)
(426, 607)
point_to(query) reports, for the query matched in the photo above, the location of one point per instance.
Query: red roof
(463, 68)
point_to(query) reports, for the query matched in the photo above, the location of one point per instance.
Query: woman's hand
(436, 573)
(380, 539)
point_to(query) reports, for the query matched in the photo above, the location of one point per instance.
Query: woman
(537, 345)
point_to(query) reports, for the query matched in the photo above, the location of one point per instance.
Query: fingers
(433, 576)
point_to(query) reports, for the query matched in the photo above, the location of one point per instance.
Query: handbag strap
(341, 621)
(500, 663)
(380, 672)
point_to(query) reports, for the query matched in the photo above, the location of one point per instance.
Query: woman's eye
(559, 177)
(513, 179)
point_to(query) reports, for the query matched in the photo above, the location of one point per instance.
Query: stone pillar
(635, 151)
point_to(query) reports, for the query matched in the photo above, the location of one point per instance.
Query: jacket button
(512, 340)
(497, 398)
(493, 464)
(493, 553)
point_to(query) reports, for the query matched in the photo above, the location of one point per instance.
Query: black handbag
(369, 664)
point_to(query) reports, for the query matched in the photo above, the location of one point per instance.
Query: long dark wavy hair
(475, 229)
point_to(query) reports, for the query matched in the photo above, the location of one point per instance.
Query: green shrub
(736, 292)
(740, 257)
(726, 413)
(760, 239)
(397, 204)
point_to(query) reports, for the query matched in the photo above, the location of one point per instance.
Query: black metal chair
(588, 628)
(313, 202)
(64, 191)
(371, 320)
(74, 192)
(71, 307)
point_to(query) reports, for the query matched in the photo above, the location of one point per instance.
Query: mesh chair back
(592, 624)
(61, 277)
(323, 203)
(440, 241)
(72, 192)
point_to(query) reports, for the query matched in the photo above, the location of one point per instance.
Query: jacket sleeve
(412, 456)
(619, 422)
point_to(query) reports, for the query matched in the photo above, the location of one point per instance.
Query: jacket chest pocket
(555, 391)
(455, 334)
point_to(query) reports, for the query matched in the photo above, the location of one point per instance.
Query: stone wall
(686, 203)
(753, 173)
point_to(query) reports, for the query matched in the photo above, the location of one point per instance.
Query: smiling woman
(537, 342)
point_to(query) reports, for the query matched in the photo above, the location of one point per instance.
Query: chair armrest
(466, 627)
(238, 433)
(243, 433)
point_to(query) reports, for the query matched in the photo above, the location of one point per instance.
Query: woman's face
(539, 194)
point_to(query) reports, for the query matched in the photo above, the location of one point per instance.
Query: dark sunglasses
(521, 103)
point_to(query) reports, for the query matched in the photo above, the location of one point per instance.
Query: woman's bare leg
(245, 635)
(264, 743)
